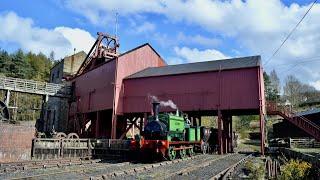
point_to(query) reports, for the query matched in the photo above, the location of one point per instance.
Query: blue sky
(181, 31)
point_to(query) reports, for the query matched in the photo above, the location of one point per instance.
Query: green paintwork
(176, 123)
(198, 133)
(177, 128)
(191, 134)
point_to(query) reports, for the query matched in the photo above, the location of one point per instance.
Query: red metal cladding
(95, 89)
(131, 63)
(231, 90)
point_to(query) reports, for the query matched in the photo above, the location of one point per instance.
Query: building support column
(7, 100)
(261, 108)
(225, 133)
(97, 125)
(262, 137)
(231, 136)
(198, 116)
(145, 119)
(44, 108)
(141, 124)
(220, 143)
(114, 127)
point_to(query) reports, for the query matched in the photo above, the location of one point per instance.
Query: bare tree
(275, 81)
(292, 90)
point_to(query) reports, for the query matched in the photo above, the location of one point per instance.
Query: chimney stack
(156, 106)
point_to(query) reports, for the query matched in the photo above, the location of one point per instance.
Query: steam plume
(168, 103)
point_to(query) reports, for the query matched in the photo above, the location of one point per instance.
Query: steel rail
(45, 165)
(81, 169)
(142, 168)
(193, 168)
(226, 172)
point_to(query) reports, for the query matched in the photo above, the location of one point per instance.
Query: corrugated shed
(226, 64)
(230, 90)
(95, 89)
(131, 62)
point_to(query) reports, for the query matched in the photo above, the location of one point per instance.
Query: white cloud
(101, 12)
(145, 27)
(259, 26)
(61, 40)
(197, 40)
(175, 60)
(316, 84)
(195, 55)
(79, 39)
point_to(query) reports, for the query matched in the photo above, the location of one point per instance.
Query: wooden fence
(304, 143)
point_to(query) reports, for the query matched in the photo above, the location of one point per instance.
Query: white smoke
(168, 103)
(154, 98)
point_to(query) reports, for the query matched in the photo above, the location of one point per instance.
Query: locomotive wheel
(204, 148)
(190, 152)
(171, 154)
(183, 153)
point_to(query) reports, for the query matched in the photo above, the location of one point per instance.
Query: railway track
(98, 170)
(196, 167)
(29, 165)
(218, 169)
(206, 167)
(49, 168)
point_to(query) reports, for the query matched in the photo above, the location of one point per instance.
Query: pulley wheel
(72, 136)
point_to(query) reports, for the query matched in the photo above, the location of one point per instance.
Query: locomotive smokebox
(156, 106)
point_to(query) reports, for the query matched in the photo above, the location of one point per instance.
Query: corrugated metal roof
(309, 112)
(225, 64)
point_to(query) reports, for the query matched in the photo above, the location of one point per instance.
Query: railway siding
(199, 166)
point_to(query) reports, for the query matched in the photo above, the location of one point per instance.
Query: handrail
(310, 122)
(35, 87)
(296, 119)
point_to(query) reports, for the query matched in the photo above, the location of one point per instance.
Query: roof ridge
(197, 67)
(218, 60)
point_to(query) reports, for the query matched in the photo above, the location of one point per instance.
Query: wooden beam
(133, 122)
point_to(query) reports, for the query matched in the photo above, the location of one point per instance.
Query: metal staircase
(34, 87)
(301, 122)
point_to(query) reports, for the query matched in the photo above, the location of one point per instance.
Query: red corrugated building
(119, 89)
(95, 90)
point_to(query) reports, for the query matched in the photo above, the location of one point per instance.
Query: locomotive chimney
(156, 106)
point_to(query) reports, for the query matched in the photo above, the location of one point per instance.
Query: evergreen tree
(20, 67)
(5, 63)
(271, 91)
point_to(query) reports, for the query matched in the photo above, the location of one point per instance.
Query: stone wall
(58, 118)
(15, 142)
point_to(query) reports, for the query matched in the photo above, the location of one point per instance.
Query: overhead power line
(291, 32)
(297, 64)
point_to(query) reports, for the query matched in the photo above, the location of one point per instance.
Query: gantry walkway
(300, 121)
(34, 87)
